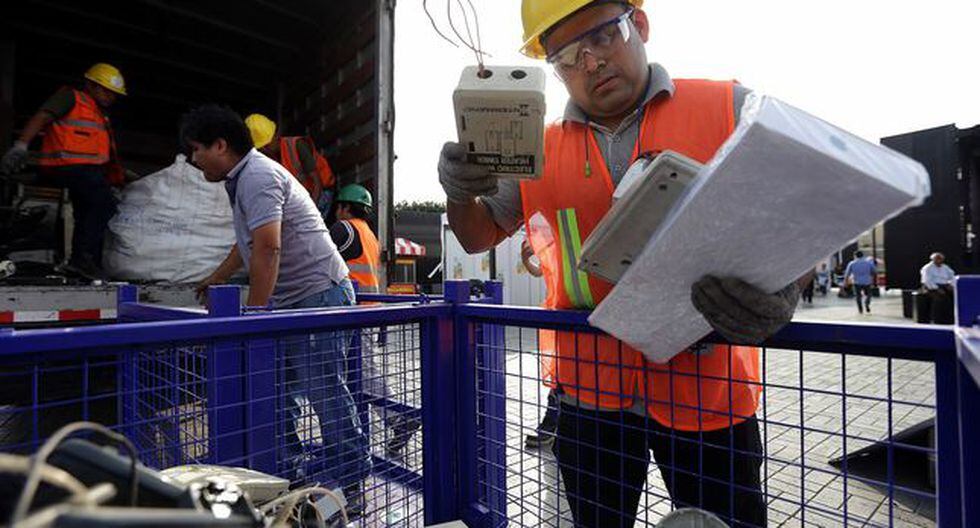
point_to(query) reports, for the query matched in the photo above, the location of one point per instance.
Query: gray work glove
(461, 180)
(742, 313)
(15, 159)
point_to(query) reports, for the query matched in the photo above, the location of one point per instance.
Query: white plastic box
(500, 119)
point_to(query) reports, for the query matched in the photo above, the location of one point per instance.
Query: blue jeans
(315, 391)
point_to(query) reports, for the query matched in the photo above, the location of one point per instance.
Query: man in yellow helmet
(697, 413)
(78, 152)
(300, 157)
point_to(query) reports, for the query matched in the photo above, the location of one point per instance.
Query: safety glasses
(600, 41)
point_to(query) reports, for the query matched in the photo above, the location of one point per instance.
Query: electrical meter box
(500, 119)
(634, 218)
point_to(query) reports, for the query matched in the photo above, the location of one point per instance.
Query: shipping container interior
(309, 64)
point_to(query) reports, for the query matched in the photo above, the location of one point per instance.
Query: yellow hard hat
(261, 128)
(539, 16)
(107, 76)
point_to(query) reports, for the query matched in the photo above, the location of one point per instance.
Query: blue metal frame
(460, 378)
(968, 383)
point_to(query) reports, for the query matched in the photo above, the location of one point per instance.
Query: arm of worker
(263, 265)
(532, 264)
(224, 271)
(465, 184)
(346, 239)
(58, 105)
(948, 274)
(308, 163)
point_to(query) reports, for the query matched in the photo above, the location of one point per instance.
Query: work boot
(544, 435)
(84, 266)
(401, 433)
(356, 500)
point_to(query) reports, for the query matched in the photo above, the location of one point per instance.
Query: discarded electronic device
(751, 214)
(645, 196)
(260, 487)
(500, 118)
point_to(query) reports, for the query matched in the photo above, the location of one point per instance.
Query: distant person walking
(807, 294)
(861, 272)
(823, 279)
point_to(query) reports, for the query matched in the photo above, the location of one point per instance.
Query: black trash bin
(908, 304)
(942, 308)
(923, 307)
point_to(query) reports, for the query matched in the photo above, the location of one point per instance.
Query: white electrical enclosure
(500, 119)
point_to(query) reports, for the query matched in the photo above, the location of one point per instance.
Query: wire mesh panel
(164, 404)
(338, 406)
(39, 394)
(826, 439)
(348, 415)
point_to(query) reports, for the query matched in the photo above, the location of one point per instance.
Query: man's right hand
(201, 290)
(15, 159)
(463, 181)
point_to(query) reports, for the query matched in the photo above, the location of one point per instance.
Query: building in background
(948, 220)
(520, 287)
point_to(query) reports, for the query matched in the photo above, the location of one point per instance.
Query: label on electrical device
(500, 119)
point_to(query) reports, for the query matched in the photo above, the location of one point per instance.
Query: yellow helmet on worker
(539, 16)
(262, 129)
(108, 77)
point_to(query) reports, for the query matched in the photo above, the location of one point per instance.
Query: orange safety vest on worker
(364, 269)
(81, 137)
(290, 159)
(712, 390)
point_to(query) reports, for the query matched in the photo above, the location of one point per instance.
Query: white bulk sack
(171, 226)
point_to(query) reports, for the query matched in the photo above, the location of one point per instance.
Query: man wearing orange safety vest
(354, 238)
(696, 413)
(362, 252)
(300, 157)
(78, 152)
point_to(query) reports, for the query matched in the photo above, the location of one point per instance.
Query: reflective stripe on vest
(81, 137)
(576, 281)
(83, 124)
(64, 154)
(364, 269)
(691, 392)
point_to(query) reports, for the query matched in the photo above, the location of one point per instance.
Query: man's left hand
(742, 313)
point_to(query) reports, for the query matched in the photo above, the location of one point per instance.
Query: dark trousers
(604, 456)
(807, 293)
(93, 205)
(863, 290)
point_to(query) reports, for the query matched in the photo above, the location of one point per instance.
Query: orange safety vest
(692, 392)
(82, 137)
(290, 159)
(364, 269)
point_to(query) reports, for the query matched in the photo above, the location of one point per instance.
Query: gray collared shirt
(262, 191)
(617, 147)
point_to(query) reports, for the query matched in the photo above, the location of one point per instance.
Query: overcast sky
(874, 67)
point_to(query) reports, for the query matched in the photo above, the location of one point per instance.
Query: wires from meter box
(474, 44)
(39, 470)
